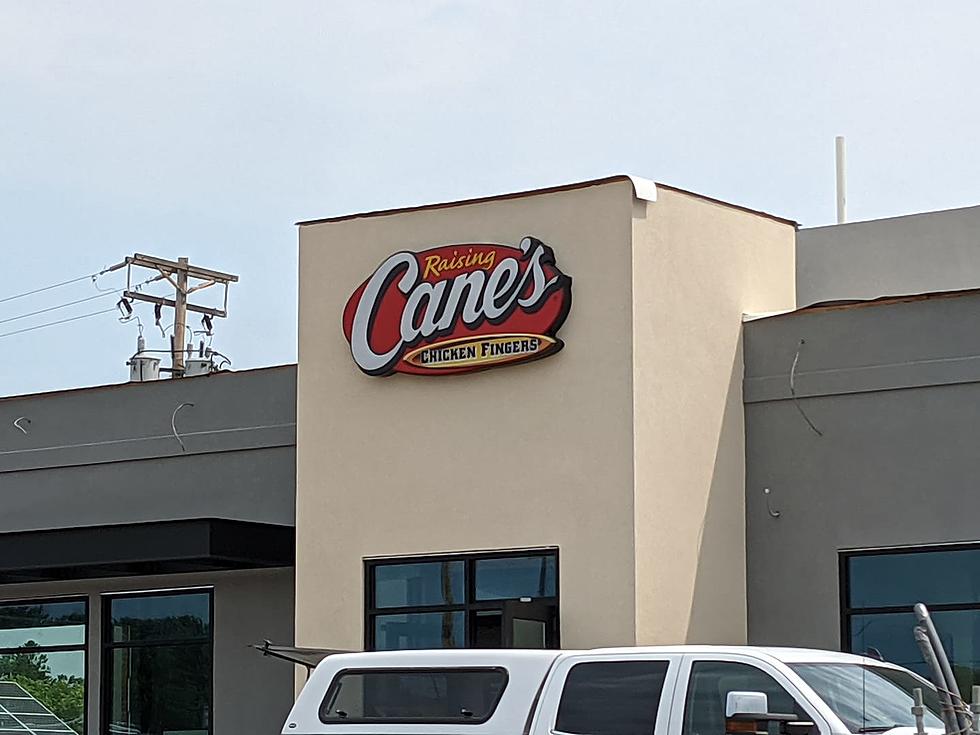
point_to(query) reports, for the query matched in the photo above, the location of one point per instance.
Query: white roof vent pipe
(841, 181)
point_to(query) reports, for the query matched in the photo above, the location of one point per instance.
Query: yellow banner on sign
(475, 351)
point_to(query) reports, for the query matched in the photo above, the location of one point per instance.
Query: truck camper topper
(611, 691)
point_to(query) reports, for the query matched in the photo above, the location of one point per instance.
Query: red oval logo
(458, 308)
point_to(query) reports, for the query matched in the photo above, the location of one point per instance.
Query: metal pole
(936, 674)
(918, 711)
(975, 711)
(841, 181)
(925, 621)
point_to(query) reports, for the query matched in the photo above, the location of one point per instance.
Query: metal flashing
(643, 189)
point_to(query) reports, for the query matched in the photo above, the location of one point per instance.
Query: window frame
(470, 605)
(83, 646)
(410, 669)
(847, 611)
(108, 646)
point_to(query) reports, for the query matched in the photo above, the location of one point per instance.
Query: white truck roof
(783, 654)
(526, 670)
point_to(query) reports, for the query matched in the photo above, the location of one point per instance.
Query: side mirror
(746, 703)
(747, 713)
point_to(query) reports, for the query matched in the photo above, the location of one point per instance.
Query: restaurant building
(736, 432)
(589, 488)
(613, 412)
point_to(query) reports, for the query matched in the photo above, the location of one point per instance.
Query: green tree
(33, 665)
(63, 695)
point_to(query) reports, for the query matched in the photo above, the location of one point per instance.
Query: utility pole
(179, 274)
(180, 318)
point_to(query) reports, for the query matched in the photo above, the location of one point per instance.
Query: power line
(55, 285)
(60, 306)
(60, 321)
(112, 292)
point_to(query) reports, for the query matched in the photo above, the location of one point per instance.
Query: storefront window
(42, 666)
(403, 585)
(157, 668)
(881, 588)
(420, 630)
(464, 601)
(515, 577)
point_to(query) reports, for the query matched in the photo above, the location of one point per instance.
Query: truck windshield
(870, 699)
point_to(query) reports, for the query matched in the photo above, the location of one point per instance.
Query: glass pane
(488, 628)
(529, 633)
(42, 624)
(161, 617)
(419, 630)
(870, 696)
(160, 689)
(47, 689)
(437, 695)
(430, 583)
(933, 577)
(891, 635)
(514, 577)
(612, 698)
(708, 688)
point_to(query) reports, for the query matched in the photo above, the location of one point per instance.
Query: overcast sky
(207, 129)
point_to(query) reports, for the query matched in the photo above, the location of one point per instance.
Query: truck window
(708, 688)
(611, 698)
(417, 695)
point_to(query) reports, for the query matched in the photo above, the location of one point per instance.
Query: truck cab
(683, 690)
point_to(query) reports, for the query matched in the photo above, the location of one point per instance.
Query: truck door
(705, 682)
(608, 694)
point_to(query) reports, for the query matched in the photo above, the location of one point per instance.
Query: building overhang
(159, 547)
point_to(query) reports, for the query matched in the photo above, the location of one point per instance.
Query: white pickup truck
(683, 690)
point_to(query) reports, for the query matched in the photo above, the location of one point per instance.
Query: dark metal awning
(158, 547)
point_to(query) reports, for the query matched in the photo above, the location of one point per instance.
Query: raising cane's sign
(458, 308)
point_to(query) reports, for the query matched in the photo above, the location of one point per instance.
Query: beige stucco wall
(697, 266)
(530, 455)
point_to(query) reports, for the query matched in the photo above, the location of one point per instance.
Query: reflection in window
(161, 617)
(903, 579)
(42, 666)
(158, 674)
(463, 696)
(870, 698)
(419, 630)
(432, 583)
(708, 688)
(515, 577)
(883, 587)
